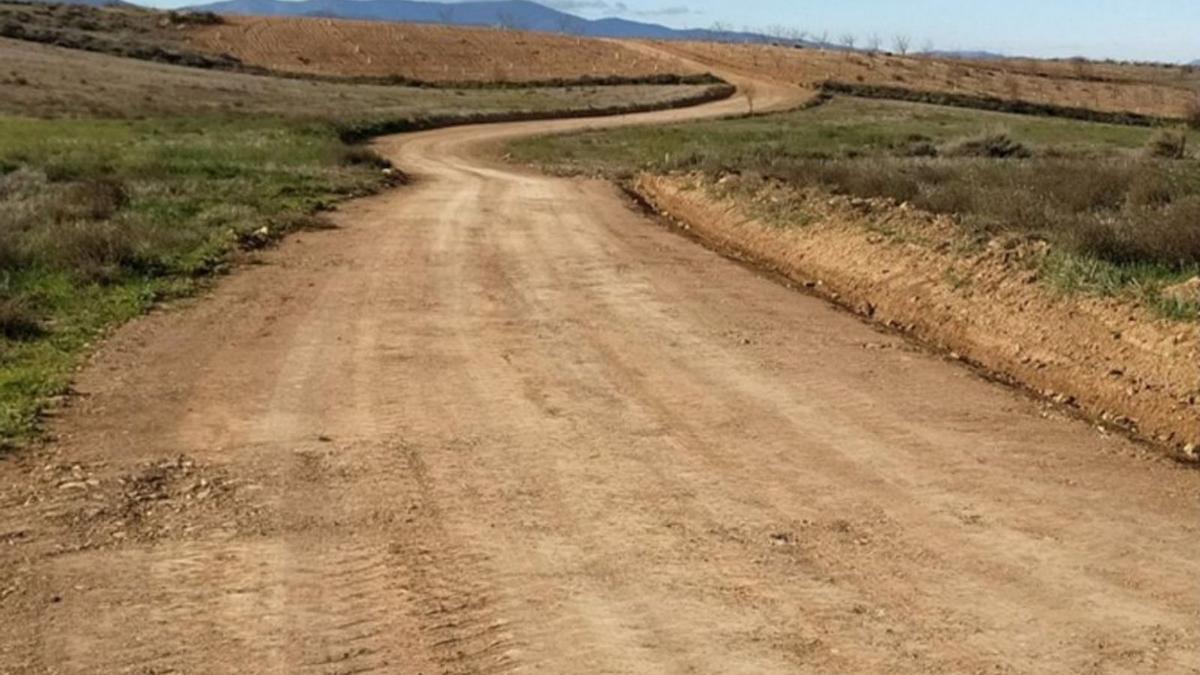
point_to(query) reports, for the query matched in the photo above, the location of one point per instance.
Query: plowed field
(436, 53)
(811, 66)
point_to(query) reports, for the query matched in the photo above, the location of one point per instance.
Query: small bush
(359, 155)
(196, 18)
(97, 198)
(918, 146)
(994, 145)
(95, 251)
(1168, 144)
(953, 198)
(17, 320)
(21, 183)
(1150, 187)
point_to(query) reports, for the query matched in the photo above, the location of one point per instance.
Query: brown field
(809, 67)
(432, 53)
(1168, 75)
(50, 81)
(359, 48)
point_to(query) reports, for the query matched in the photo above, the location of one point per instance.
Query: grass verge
(101, 219)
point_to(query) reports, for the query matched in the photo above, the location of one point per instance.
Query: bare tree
(902, 43)
(822, 39)
(927, 47)
(721, 31)
(848, 40)
(777, 31)
(874, 43)
(446, 14)
(797, 35)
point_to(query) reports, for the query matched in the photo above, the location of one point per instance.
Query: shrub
(1150, 187)
(1168, 144)
(94, 251)
(994, 145)
(17, 320)
(21, 183)
(360, 155)
(97, 198)
(196, 18)
(953, 198)
(918, 145)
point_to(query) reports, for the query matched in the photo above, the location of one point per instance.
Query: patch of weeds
(360, 155)
(993, 145)
(1168, 144)
(101, 219)
(1076, 273)
(17, 321)
(1176, 309)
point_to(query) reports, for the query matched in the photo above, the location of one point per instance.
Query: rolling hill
(515, 14)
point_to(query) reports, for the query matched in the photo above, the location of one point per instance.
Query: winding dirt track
(500, 422)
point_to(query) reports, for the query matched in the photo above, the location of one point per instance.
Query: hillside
(424, 52)
(1112, 88)
(512, 14)
(49, 81)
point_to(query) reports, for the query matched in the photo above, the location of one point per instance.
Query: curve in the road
(498, 422)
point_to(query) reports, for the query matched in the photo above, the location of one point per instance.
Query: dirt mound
(423, 52)
(913, 271)
(810, 67)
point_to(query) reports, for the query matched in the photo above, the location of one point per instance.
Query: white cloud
(617, 8)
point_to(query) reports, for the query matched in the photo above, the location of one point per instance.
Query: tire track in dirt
(498, 422)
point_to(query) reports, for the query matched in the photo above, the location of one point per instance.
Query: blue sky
(1163, 30)
(1131, 29)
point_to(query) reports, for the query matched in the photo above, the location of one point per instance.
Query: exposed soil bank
(1110, 358)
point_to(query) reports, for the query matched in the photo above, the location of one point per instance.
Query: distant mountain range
(516, 14)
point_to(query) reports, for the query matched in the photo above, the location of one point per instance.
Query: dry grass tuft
(993, 145)
(1168, 144)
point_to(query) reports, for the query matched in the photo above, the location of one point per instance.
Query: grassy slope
(53, 82)
(843, 127)
(1121, 223)
(124, 182)
(103, 218)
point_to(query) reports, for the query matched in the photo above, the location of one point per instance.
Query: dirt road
(500, 422)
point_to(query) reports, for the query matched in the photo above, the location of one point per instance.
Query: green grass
(100, 219)
(843, 128)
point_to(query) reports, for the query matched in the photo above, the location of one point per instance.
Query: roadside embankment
(1109, 358)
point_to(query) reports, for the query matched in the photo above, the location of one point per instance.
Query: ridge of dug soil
(1107, 358)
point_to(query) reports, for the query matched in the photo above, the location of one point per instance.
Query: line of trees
(789, 35)
(727, 32)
